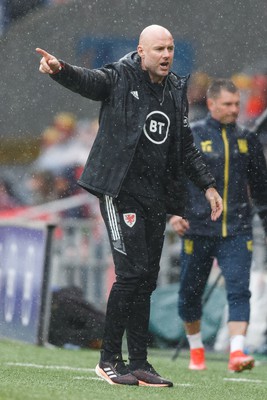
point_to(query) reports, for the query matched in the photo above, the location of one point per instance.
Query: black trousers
(136, 227)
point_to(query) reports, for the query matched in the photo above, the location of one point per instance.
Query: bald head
(153, 32)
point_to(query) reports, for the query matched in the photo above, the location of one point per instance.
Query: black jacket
(125, 103)
(236, 160)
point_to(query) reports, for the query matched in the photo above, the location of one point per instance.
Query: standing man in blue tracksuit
(236, 160)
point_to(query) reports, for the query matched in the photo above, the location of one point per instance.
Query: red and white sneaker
(197, 359)
(239, 361)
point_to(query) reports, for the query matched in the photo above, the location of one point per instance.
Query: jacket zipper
(163, 94)
(226, 181)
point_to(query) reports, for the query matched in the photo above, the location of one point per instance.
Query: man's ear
(140, 50)
(210, 103)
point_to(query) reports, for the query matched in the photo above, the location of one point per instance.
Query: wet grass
(29, 372)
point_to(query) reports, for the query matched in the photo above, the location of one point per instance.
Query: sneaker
(147, 376)
(197, 359)
(115, 372)
(239, 361)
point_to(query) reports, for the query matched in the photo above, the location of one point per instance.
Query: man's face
(157, 56)
(225, 108)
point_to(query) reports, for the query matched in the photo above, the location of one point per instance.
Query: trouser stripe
(112, 218)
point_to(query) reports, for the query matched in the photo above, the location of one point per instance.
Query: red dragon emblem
(129, 219)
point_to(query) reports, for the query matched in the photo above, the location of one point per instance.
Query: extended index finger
(43, 53)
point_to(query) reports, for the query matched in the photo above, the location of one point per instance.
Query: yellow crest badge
(206, 146)
(242, 145)
(250, 245)
(188, 246)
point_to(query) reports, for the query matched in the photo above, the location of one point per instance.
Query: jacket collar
(218, 125)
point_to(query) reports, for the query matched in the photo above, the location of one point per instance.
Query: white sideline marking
(184, 384)
(58, 367)
(244, 380)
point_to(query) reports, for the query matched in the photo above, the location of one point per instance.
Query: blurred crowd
(64, 146)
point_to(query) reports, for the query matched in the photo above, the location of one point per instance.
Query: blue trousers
(234, 256)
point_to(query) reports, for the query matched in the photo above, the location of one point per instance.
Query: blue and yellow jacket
(235, 158)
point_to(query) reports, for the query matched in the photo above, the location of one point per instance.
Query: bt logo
(156, 127)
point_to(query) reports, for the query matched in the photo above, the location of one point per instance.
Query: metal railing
(81, 256)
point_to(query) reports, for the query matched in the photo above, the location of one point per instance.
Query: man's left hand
(215, 201)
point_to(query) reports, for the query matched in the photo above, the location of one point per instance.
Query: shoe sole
(142, 383)
(244, 366)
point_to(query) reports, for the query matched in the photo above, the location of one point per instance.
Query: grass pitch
(29, 372)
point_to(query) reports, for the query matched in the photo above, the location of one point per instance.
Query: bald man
(136, 168)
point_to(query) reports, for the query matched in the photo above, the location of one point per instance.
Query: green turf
(29, 372)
